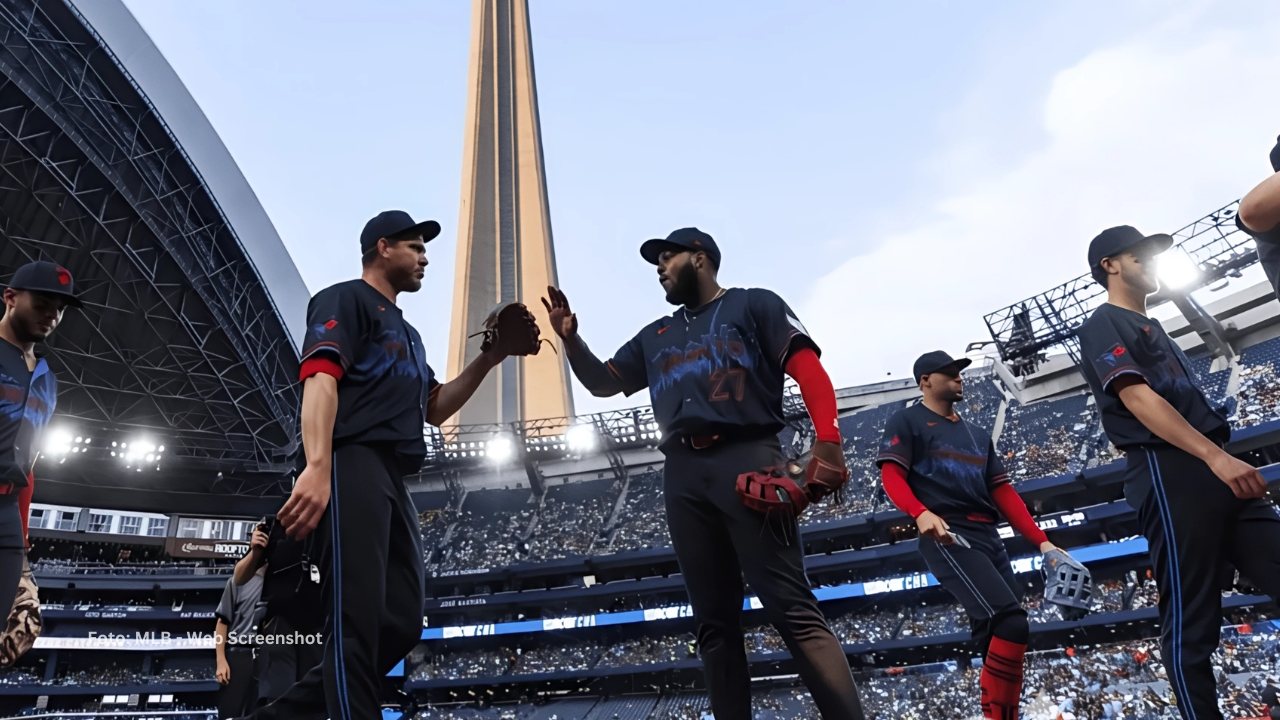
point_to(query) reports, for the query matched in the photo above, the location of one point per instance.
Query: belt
(700, 442)
(703, 441)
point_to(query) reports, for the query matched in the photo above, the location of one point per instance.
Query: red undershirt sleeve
(894, 478)
(24, 506)
(317, 364)
(1015, 511)
(818, 392)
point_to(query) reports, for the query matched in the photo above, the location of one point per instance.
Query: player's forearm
(220, 641)
(247, 566)
(449, 398)
(590, 371)
(818, 393)
(894, 479)
(1159, 417)
(319, 411)
(1013, 508)
(1260, 208)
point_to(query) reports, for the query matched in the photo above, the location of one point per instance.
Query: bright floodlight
(58, 442)
(500, 449)
(1176, 270)
(140, 451)
(581, 438)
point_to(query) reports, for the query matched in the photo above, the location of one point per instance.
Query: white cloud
(1154, 132)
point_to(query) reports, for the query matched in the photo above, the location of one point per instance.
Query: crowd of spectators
(1113, 681)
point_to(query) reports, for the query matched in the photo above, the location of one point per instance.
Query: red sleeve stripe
(316, 365)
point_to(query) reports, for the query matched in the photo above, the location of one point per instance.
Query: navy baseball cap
(1275, 156)
(1113, 241)
(935, 361)
(689, 238)
(46, 278)
(395, 225)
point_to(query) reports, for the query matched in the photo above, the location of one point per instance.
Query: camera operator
(293, 611)
(237, 615)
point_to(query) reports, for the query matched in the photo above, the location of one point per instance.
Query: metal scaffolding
(178, 337)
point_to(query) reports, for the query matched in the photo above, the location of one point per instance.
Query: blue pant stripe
(335, 547)
(1166, 519)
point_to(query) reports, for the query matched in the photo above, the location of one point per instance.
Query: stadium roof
(192, 314)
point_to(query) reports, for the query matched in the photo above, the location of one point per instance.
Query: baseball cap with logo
(395, 225)
(932, 362)
(46, 278)
(690, 238)
(1113, 241)
(1275, 156)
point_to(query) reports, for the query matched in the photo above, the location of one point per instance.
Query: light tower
(505, 251)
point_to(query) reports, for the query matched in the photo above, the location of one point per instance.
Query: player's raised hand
(563, 321)
(935, 527)
(1244, 479)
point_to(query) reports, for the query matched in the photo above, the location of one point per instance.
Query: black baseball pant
(979, 577)
(281, 664)
(13, 554)
(371, 557)
(237, 696)
(1195, 527)
(717, 541)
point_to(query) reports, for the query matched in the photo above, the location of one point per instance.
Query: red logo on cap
(1119, 351)
(64, 277)
(331, 324)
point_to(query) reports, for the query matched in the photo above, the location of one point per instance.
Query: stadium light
(581, 438)
(500, 449)
(139, 452)
(58, 443)
(1177, 270)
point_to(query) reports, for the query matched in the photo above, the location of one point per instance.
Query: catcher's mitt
(793, 487)
(1067, 583)
(513, 330)
(24, 624)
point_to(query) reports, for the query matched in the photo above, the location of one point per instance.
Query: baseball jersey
(951, 465)
(1116, 342)
(1268, 243)
(386, 381)
(718, 368)
(27, 401)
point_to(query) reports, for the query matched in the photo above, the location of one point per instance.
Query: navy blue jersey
(1116, 342)
(951, 466)
(718, 368)
(386, 381)
(1268, 242)
(27, 401)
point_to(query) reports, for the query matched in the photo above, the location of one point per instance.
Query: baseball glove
(24, 623)
(1067, 583)
(512, 330)
(792, 487)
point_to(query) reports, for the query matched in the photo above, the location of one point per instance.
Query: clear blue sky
(894, 170)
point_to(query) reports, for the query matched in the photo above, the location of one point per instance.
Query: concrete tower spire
(505, 250)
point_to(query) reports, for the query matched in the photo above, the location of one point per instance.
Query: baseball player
(714, 369)
(1199, 506)
(946, 474)
(367, 392)
(1259, 216)
(34, 303)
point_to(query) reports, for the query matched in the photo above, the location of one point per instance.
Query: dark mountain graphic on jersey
(396, 357)
(951, 462)
(701, 357)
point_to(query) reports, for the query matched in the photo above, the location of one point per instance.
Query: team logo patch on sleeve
(1114, 356)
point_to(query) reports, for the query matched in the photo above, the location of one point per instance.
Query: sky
(894, 170)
